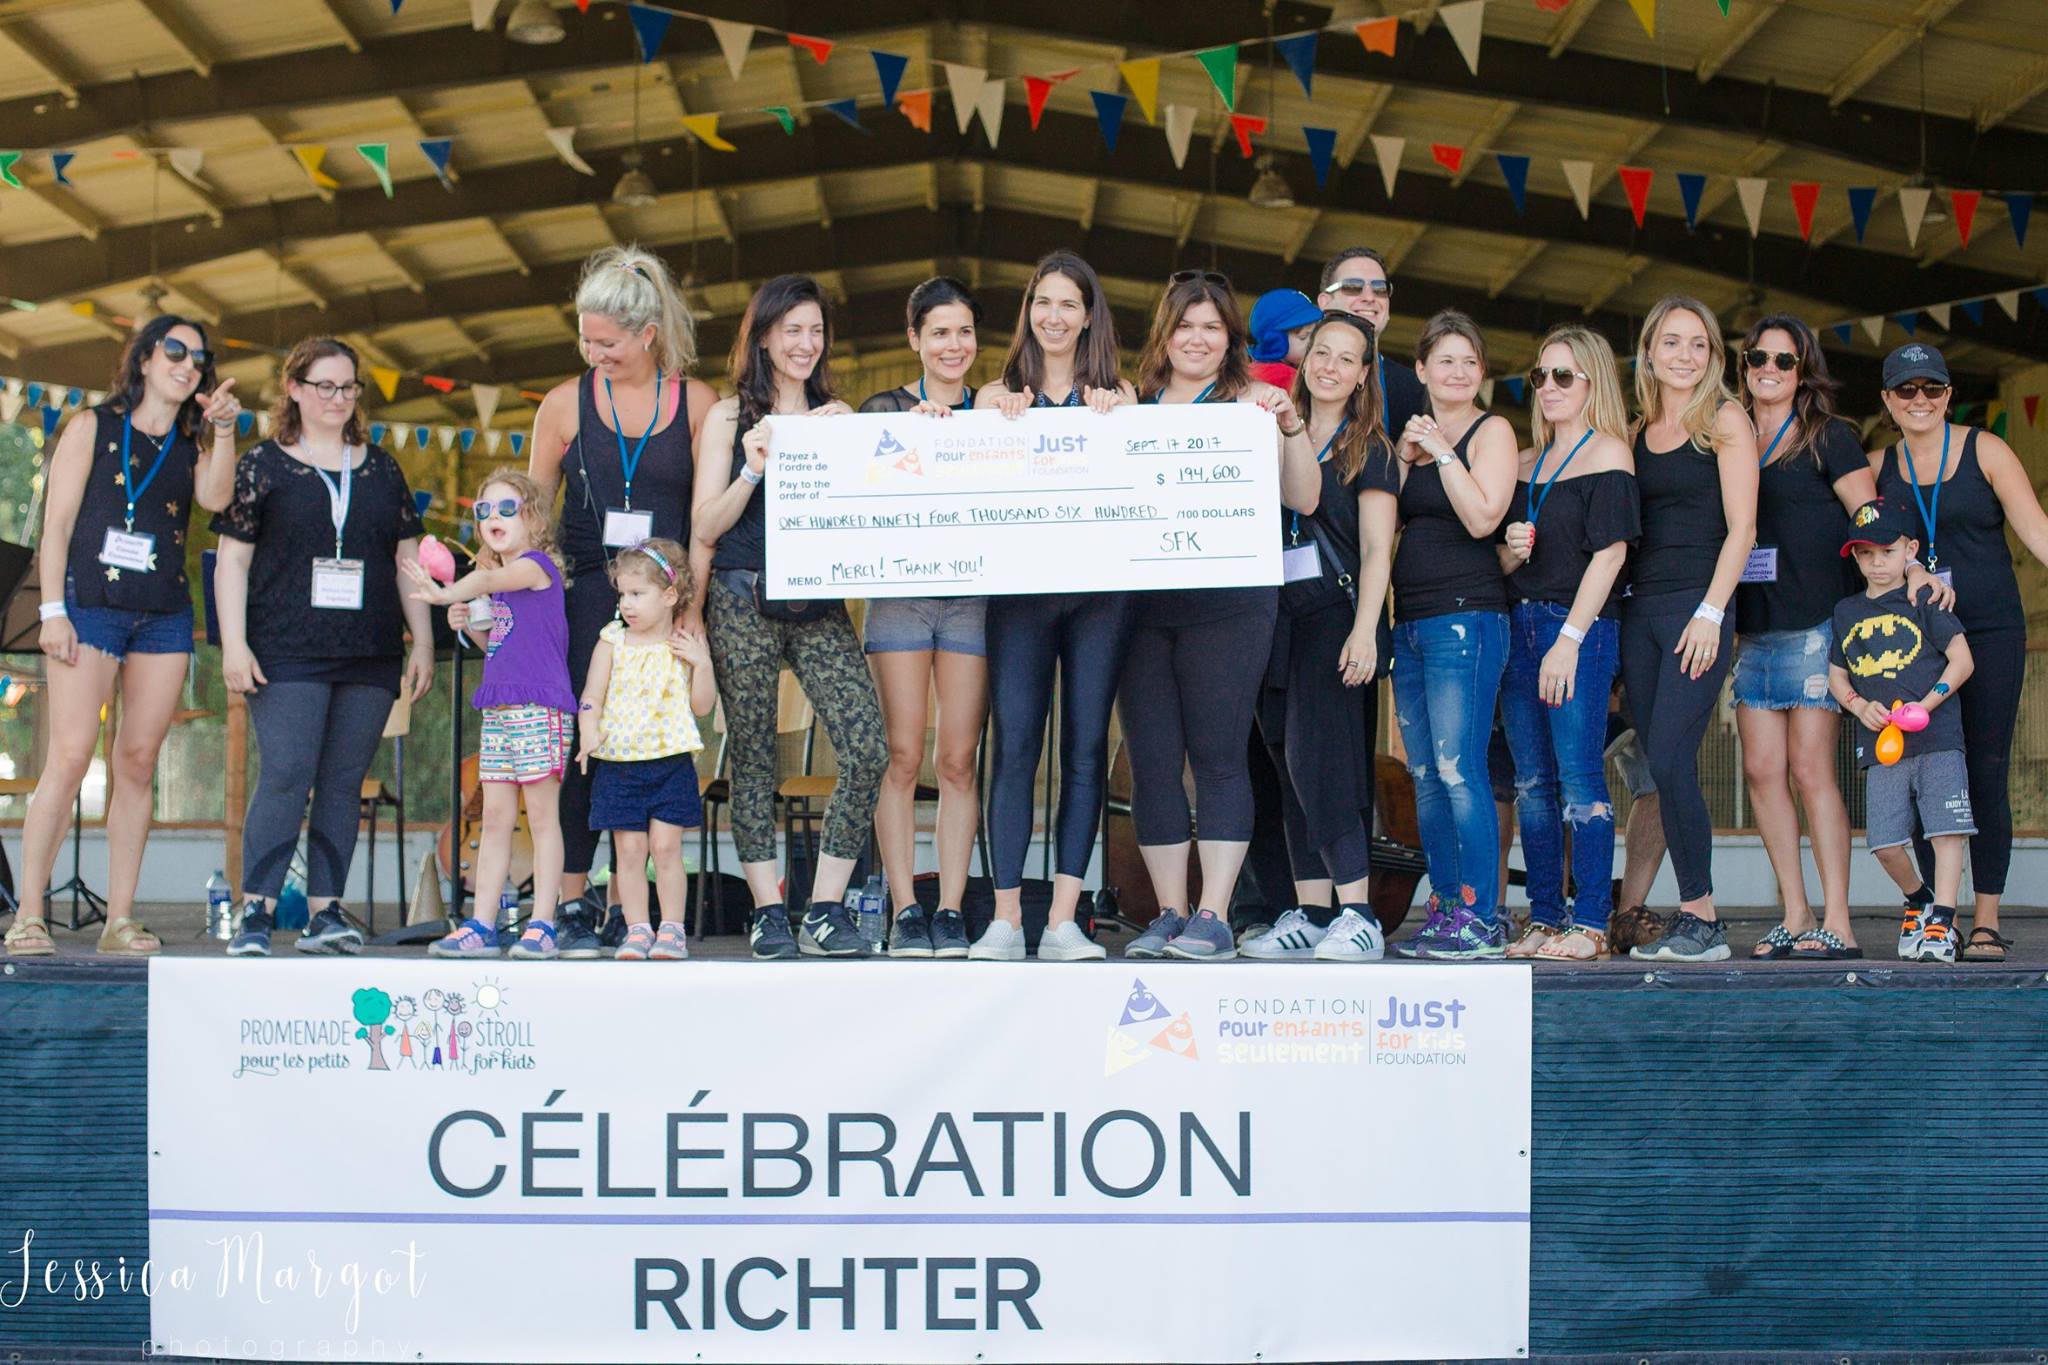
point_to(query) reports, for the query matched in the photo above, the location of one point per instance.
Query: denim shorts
(1930, 790)
(628, 795)
(116, 631)
(952, 624)
(1783, 670)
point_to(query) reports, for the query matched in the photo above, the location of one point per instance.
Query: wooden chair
(378, 795)
(714, 788)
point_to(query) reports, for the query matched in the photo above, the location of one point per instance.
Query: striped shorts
(524, 743)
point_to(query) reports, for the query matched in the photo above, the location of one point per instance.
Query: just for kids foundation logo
(1147, 1029)
(438, 1031)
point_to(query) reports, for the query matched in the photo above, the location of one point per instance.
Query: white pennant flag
(486, 397)
(263, 425)
(493, 438)
(11, 387)
(1874, 329)
(733, 40)
(1388, 152)
(186, 161)
(2010, 302)
(10, 406)
(481, 12)
(1579, 175)
(95, 397)
(1180, 129)
(1940, 312)
(1464, 20)
(1913, 207)
(563, 140)
(1750, 191)
(1486, 397)
(446, 436)
(399, 433)
(964, 84)
(989, 104)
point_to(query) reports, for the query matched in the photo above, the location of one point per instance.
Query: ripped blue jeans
(1447, 673)
(1560, 765)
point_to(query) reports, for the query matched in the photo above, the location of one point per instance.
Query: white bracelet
(1707, 611)
(748, 473)
(52, 611)
(1572, 633)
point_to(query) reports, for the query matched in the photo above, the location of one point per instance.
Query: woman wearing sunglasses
(1575, 518)
(116, 606)
(313, 618)
(1965, 486)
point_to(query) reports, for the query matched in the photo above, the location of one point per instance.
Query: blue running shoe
(769, 934)
(829, 931)
(331, 931)
(949, 934)
(1163, 929)
(473, 939)
(1205, 939)
(1458, 935)
(253, 938)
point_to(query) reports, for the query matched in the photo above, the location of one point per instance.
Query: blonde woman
(1576, 516)
(1695, 455)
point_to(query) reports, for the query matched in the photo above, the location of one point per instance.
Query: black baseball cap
(1878, 523)
(1914, 361)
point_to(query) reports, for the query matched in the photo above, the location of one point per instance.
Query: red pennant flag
(1036, 88)
(1805, 194)
(1636, 181)
(1450, 158)
(917, 107)
(1378, 35)
(583, 6)
(820, 48)
(1964, 202)
(1553, 6)
(2032, 403)
(436, 382)
(1244, 125)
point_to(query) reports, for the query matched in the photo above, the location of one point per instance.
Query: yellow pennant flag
(385, 380)
(310, 158)
(1646, 13)
(1143, 78)
(704, 127)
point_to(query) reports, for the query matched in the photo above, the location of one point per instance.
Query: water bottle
(874, 901)
(220, 906)
(508, 906)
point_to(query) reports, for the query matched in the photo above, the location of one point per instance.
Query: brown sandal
(1575, 945)
(29, 938)
(125, 937)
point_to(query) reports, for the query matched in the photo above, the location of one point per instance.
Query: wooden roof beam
(1483, 137)
(1623, 276)
(1568, 25)
(2013, 93)
(41, 55)
(296, 278)
(1497, 284)
(68, 205)
(1734, 36)
(198, 53)
(1905, 32)
(343, 25)
(519, 261)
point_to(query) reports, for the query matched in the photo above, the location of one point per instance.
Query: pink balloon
(436, 559)
(1912, 717)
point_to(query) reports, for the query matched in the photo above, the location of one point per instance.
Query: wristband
(221, 423)
(1290, 435)
(1707, 611)
(748, 473)
(52, 611)
(1572, 633)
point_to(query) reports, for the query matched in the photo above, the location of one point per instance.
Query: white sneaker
(1000, 942)
(1068, 944)
(1353, 938)
(1292, 938)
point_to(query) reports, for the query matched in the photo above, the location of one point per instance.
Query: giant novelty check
(1058, 500)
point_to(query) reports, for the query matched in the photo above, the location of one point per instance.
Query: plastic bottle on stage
(508, 906)
(873, 898)
(220, 906)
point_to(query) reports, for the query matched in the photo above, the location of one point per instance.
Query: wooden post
(237, 797)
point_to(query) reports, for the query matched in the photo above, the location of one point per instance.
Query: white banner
(1059, 500)
(443, 1161)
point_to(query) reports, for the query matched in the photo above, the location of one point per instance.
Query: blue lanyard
(1537, 499)
(1294, 531)
(338, 496)
(966, 396)
(1072, 400)
(1929, 507)
(1379, 369)
(1772, 448)
(1202, 397)
(135, 490)
(630, 464)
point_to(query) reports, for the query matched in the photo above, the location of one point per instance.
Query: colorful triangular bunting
(1750, 190)
(889, 67)
(1378, 35)
(1690, 186)
(650, 26)
(916, 106)
(1874, 329)
(782, 116)
(1109, 115)
(1143, 78)
(1387, 151)
(1449, 157)
(963, 85)
(310, 158)
(990, 106)
(1322, 148)
(378, 154)
(1180, 128)
(1464, 20)
(1635, 182)
(1578, 176)
(1965, 202)
(1805, 194)
(2020, 208)
(1245, 125)
(704, 127)
(848, 111)
(1913, 208)
(437, 150)
(734, 39)
(563, 140)
(819, 48)
(1299, 52)
(1861, 199)
(1646, 14)
(1221, 64)
(60, 160)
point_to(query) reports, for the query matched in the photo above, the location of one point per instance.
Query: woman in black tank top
(619, 441)
(1964, 487)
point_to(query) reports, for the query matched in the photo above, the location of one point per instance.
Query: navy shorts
(117, 632)
(630, 795)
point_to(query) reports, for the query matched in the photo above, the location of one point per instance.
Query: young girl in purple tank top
(528, 708)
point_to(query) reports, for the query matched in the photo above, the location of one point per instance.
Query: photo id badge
(1299, 563)
(623, 527)
(128, 550)
(1762, 566)
(338, 584)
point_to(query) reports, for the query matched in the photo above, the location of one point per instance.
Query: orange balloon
(1891, 745)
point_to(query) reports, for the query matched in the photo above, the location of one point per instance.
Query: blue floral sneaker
(1205, 939)
(1458, 935)
(1165, 926)
(473, 939)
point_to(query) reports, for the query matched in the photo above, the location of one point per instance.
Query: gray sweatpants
(315, 738)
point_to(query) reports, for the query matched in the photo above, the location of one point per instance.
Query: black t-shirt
(900, 399)
(1799, 516)
(1683, 522)
(282, 507)
(1895, 650)
(1580, 517)
(1405, 396)
(1439, 566)
(161, 511)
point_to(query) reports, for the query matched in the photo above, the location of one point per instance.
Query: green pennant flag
(783, 117)
(7, 175)
(1998, 425)
(378, 154)
(1221, 64)
(1724, 7)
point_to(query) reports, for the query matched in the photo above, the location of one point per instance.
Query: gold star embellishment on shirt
(120, 480)
(112, 573)
(171, 506)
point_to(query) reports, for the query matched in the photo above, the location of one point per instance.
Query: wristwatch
(1447, 457)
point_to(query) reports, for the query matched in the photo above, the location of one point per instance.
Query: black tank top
(745, 544)
(594, 474)
(1439, 566)
(161, 511)
(1968, 534)
(1683, 524)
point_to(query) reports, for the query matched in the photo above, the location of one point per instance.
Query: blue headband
(645, 548)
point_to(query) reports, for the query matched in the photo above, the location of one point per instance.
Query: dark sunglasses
(1909, 390)
(175, 350)
(1351, 289)
(1206, 276)
(1561, 376)
(1348, 319)
(1756, 358)
(503, 507)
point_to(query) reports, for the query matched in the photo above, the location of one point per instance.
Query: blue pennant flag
(1690, 186)
(466, 439)
(436, 150)
(2041, 296)
(34, 394)
(397, 5)
(51, 416)
(1299, 52)
(1322, 149)
(58, 161)
(1861, 197)
(1109, 115)
(1517, 386)
(73, 397)
(889, 66)
(245, 422)
(2021, 208)
(1515, 170)
(1909, 321)
(518, 440)
(1974, 311)
(422, 435)
(1843, 332)
(847, 110)
(376, 433)
(650, 26)
(421, 498)
(465, 530)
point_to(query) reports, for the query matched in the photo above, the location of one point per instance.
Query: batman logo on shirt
(1880, 646)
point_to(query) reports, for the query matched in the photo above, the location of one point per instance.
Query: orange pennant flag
(1964, 202)
(1378, 34)
(917, 107)
(1805, 194)
(1450, 158)
(1244, 125)
(1636, 181)
(435, 381)
(820, 48)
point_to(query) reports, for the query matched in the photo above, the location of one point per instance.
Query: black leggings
(315, 739)
(590, 602)
(1671, 712)
(1187, 698)
(1320, 735)
(1084, 634)
(1990, 699)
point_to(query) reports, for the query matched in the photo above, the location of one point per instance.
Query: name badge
(128, 550)
(1762, 566)
(1300, 562)
(623, 527)
(338, 584)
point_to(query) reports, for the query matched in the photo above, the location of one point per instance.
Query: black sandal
(1831, 949)
(1986, 945)
(1774, 945)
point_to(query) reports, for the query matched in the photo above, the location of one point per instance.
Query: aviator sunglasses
(1562, 376)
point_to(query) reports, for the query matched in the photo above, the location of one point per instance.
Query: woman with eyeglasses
(619, 440)
(1696, 471)
(313, 618)
(116, 607)
(1965, 486)
(1575, 518)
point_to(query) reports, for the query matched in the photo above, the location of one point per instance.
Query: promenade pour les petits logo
(440, 1031)
(1147, 1029)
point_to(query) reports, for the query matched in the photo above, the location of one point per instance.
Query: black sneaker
(829, 931)
(770, 934)
(912, 934)
(576, 928)
(331, 931)
(1689, 939)
(949, 934)
(614, 931)
(253, 938)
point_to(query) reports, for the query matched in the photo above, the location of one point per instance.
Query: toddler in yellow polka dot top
(647, 685)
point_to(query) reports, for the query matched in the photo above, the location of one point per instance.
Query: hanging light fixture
(1270, 190)
(534, 21)
(635, 189)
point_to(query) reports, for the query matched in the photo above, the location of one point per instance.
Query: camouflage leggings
(749, 650)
